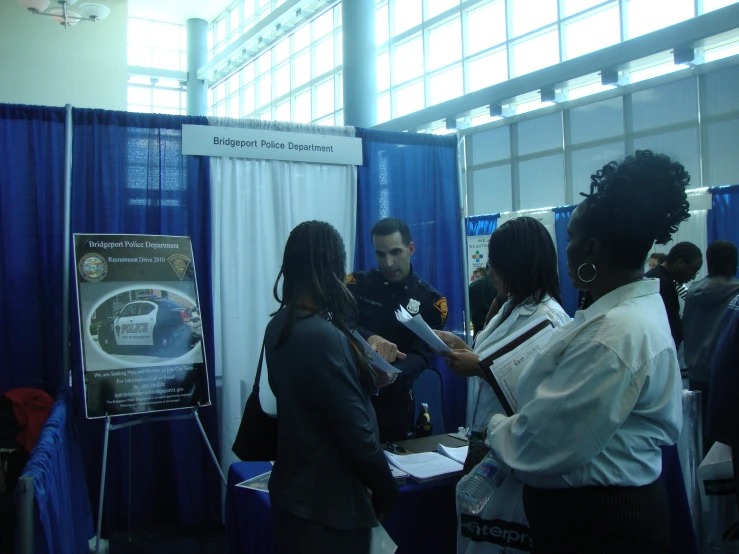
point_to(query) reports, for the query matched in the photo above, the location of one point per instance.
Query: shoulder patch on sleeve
(440, 305)
(351, 279)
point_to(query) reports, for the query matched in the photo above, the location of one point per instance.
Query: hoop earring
(595, 273)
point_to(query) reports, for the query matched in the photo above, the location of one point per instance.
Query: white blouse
(599, 400)
(482, 403)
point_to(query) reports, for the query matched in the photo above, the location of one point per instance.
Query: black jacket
(377, 300)
(668, 292)
(328, 451)
(482, 293)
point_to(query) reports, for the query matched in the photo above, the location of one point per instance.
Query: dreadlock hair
(315, 261)
(522, 254)
(635, 203)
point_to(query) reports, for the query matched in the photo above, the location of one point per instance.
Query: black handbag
(256, 440)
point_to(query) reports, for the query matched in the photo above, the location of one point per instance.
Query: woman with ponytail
(331, 481)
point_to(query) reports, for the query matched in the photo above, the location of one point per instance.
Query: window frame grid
(261, 109)
(699, 121)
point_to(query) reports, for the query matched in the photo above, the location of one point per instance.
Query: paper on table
(459, 453)
(381, 543)
(421, 328)
(375, 359)
(258, 483)
(505, 360)
(425, 465)
(397, 473)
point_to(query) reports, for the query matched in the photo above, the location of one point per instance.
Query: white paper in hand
(381, 543)
(375, 359)
(421, 328)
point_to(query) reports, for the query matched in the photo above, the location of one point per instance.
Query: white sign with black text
(202, 140)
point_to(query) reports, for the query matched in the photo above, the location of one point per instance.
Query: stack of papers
(459, 454)
(426, 466)
(399, 475)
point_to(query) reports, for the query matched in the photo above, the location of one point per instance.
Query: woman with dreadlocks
(331, 481)
(603, 396)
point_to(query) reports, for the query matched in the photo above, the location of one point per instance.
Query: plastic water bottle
(475, 490)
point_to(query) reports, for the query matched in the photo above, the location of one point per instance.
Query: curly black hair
(635, 203)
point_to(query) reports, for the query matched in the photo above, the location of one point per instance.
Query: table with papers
(423, 519)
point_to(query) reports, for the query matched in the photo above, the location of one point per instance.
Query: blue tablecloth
(422, 521)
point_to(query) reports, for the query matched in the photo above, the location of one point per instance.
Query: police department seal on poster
(141, 332)
(93, 267)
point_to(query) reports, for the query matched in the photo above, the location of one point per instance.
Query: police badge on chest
(413, 306)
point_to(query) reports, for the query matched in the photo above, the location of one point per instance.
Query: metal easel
(193, 413)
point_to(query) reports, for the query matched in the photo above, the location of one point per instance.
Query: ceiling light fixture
(63, 15)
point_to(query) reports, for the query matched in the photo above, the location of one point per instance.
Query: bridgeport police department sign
(231, 142)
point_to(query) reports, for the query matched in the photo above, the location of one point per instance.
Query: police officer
(378, 293)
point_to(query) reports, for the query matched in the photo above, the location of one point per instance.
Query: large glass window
(428, 51)
(157, 45)
(295, 79)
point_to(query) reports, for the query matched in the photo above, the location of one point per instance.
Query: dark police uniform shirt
(377, 300)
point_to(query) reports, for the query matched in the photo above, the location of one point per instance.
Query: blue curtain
(482, 224)
(414, 177)
(569, 293)
(723, 218)
(31, 246)
(62, 518)
(129, 176)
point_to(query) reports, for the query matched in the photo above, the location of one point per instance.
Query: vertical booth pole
(25, 515)
(197, 57)
(462, 190)
(360, 62)
(102, 485)
(66, 354)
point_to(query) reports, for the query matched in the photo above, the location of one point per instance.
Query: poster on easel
(140, 327)
(477, 255)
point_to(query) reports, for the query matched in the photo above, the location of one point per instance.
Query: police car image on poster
(140, 327)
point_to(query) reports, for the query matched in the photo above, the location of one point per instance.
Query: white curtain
(255, 205)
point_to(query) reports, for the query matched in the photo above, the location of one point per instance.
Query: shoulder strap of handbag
(255, 388)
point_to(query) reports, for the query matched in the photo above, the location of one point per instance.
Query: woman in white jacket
(523, 267)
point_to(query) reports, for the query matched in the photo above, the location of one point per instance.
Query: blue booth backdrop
(129, 176)
(31, 246)
(414, 177)
(723, 217)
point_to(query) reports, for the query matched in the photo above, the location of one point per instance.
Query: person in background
(681, 266)
(331, 481)
(477, 274)
(705, 305)
(523, 266)
(482, 294)
(722, 418)
(656, 258)
(598, 402)
(378, 293)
